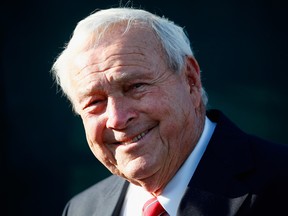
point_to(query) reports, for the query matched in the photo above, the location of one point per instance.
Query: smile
(135, 139)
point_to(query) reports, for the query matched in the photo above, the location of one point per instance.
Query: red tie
(153, 208)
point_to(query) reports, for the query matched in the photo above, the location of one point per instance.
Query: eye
(95, 103)
(137, 85)
(135, 88)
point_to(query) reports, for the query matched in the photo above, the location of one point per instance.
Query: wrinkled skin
(141, 119)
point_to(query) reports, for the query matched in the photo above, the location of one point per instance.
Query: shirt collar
(174, 191)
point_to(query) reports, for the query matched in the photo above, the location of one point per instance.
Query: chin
(140, 173)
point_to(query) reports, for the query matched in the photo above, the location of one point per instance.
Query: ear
(192, 74)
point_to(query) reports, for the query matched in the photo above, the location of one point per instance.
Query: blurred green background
(241, 47)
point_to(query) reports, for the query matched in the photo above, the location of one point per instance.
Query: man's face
(140, 118)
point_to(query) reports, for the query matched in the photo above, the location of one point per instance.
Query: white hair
(89, 31)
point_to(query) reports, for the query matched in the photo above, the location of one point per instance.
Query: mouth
(134, 139)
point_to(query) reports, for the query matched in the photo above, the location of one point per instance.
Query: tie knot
(153, 208)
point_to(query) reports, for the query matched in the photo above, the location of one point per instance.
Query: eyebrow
(123, 77)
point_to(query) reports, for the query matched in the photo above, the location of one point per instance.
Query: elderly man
(134, 81)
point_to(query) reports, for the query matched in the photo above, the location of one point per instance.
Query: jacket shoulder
(95, 198)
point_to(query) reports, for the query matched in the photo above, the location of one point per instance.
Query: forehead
(120, 42)
(119, 54)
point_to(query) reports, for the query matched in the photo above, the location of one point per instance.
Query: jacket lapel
(200, 202)
(118, 198)
(218, 185)
(112, 200)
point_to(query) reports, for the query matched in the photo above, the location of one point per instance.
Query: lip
(134, 139)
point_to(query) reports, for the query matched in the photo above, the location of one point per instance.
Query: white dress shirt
(170, 199)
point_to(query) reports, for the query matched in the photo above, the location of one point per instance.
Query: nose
(119, 112)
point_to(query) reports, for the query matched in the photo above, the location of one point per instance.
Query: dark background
(241, 48)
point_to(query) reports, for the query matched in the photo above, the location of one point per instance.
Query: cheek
(94, 138)
(93, 129)
(93, 135)
(173, 116)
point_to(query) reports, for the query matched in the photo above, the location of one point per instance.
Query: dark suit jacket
(239, 174)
